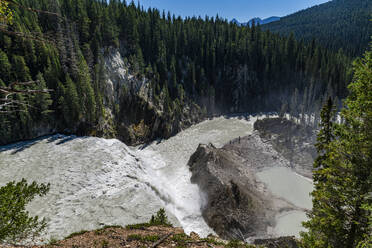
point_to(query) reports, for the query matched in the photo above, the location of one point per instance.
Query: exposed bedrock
(234, 208)
(237, 204)
(293, 141)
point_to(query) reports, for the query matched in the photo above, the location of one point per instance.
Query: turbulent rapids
(97, 182)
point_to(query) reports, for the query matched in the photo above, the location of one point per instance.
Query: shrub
(138, 226)
(76, 234)
(148, 238)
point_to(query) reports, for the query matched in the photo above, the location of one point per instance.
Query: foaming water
(168, 161)
(93, 182)
(96, 181)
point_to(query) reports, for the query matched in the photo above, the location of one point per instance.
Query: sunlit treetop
(6, 14)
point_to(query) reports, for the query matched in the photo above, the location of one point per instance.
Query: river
(97, 181)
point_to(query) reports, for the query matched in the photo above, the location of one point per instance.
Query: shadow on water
(19, 147)
(58, 139)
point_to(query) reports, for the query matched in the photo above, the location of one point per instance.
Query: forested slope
(185, 64)
(337, 24)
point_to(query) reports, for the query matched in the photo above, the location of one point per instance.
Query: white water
(92, 180)
(96, 181)
(168, 161)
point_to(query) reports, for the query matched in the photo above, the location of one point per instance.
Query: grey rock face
(139, 117)
(234, 208)
(293, 141)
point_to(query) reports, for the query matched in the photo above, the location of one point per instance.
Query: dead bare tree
(8, 100)
(9, 104)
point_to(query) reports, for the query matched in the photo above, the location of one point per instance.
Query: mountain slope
(336, 24)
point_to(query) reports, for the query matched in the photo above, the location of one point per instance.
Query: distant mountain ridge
(257, 20)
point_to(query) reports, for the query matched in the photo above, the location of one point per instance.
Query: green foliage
(103, 229)
(76, 234)
(212, 241)
(5, 66)
(53, 241)
(367, 241)
(72, 107)
(343, 176)
(180, 238)
(138, 226)
(104, 244)
(15, 223)
(148, 238)
(134, 237)
(42, 102)
(6, 14)
(160, 219)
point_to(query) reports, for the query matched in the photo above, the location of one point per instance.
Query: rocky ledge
(293, 141)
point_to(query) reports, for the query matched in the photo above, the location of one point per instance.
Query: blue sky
(243, 10)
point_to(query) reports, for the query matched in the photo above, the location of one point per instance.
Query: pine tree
(326, 133)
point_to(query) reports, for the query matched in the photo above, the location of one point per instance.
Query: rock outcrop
(237, 204)
(137, 115)
(293, 141)
(234, 208)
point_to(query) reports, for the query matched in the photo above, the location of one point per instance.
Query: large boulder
(234, 208)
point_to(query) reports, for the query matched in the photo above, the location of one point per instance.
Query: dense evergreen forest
(210, 62)
(337, 24)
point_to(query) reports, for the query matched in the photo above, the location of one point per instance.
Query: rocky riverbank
(293, 141)
(238, 205)
(153, 236)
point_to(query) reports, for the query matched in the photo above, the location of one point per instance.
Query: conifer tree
(15, 223)
(41, 102)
